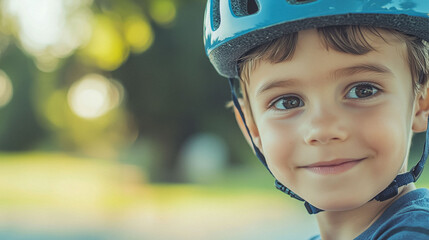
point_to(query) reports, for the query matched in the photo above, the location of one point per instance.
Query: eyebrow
(362, 68)
(353, 70)
(276, 84)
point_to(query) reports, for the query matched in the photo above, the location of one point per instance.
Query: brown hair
(347, 39)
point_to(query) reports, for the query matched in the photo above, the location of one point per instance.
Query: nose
(324, 126)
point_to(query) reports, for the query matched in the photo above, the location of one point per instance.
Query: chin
(339, 204)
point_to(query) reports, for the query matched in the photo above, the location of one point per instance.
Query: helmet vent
(300, 1)
(215, 14)
(244, 7)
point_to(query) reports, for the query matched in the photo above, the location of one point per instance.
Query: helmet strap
(238, 107)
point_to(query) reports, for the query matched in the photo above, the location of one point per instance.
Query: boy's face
(335, 127)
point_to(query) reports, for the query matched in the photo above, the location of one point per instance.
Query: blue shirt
(406, 218)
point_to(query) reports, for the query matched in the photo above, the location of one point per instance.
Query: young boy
(332, 92)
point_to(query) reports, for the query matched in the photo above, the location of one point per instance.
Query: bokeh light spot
(40, 22)
(138, 33)
(47, 63)
(48, 28)
(93, 96)
(106, 47)
(54, 109)
(163, 11)
(6, 89)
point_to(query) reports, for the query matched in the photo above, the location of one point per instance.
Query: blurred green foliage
(149, 53)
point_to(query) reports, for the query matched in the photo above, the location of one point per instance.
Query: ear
(251, 125)
(421, 112)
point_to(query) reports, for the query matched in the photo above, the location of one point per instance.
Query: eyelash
(277, 100)
(375, 90)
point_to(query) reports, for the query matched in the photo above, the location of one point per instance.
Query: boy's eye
(288, 102)
(362, 91)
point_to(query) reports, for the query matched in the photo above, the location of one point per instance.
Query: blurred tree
(173, 91)
(153, 48)
(19, 128)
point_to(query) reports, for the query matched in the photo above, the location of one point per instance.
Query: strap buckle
(389, 192)
(416, 173)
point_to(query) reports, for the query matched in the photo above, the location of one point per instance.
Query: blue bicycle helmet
(233, 27)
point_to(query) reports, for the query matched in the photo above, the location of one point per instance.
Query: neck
(350, 224)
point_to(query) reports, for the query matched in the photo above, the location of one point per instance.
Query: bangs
(345, 39)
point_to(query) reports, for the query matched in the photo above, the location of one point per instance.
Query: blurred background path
(54, 196)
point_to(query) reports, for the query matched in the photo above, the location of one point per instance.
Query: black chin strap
(238, 107)
(387, 193)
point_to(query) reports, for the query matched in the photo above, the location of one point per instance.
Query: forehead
(314, 57)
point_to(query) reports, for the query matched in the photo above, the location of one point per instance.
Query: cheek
(388, 129)
(386, 134)
(279, 144)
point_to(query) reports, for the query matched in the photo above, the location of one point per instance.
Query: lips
(333, 167)
(335, 162)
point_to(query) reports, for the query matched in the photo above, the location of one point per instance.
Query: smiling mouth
(332, 167)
